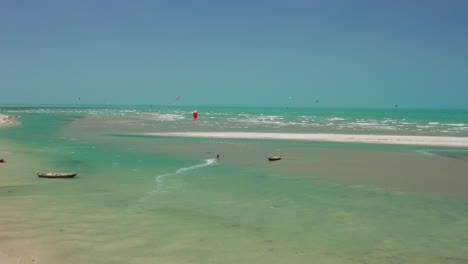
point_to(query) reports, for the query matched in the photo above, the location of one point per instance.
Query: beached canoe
(273, 158)
(55, 175)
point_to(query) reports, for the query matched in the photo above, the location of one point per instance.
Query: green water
(165, 200)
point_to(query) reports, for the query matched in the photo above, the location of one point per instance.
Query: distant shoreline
(348, 138)
(8, 120)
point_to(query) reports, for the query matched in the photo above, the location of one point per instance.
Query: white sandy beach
(375, 139)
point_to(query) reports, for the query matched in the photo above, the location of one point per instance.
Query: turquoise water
(140, 199)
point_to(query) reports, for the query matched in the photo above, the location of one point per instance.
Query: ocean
(154, 199)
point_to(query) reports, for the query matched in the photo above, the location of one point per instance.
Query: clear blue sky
(362, 53)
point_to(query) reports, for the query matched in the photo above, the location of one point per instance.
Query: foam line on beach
(373, 139)
(159, 180)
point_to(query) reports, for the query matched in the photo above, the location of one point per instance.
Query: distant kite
(317, 101)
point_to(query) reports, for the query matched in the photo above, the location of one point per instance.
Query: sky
(360, 53)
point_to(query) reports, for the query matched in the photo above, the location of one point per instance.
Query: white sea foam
(259, 120)
(336, 119)
(208, 162)
(456, 125)
(160, 179)
(162, 117)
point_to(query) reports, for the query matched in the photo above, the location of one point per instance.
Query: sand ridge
(375, 139)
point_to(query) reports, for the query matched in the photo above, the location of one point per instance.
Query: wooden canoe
(273, 158)
(55, 175)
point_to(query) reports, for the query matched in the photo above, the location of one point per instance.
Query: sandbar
(373, 139)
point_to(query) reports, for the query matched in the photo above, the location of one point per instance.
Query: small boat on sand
(55, 175)
(273, 158)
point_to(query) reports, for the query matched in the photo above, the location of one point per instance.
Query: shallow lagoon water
(154, 199)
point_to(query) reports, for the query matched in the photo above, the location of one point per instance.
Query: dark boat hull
(56, 175)
(274, 158)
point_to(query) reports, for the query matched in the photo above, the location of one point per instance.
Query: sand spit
(374, 139)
